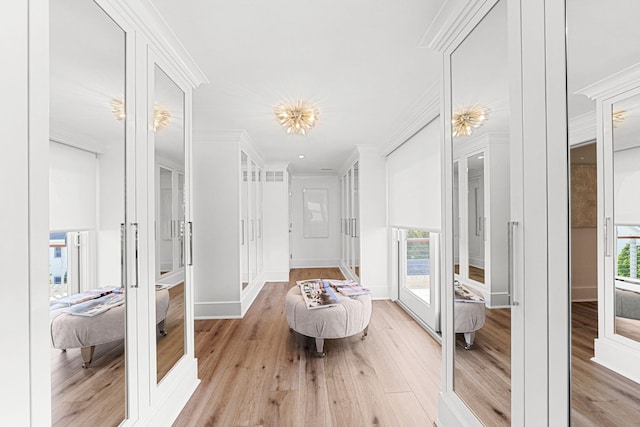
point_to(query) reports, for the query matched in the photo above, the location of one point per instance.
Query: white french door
(418, 274)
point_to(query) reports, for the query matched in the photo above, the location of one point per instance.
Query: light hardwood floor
(96, 396)
(599, 397)
(482, 376)
(171, 347)
(254, 371)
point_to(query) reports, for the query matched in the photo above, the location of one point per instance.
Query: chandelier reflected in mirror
(467, 118)
(161, 116)
(298, 117)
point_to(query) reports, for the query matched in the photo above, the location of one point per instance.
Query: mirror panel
(602, 42)
(87, 208)
(626, 210)
(482, 319)
(167, 127)
(244, 220)
(475, 217)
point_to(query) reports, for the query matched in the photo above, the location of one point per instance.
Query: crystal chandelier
(297, 117)
(467, 118)
(161, 116)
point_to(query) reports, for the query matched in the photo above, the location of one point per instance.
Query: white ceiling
(359, 60)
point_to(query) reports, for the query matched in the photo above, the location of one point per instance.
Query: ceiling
(358, 60)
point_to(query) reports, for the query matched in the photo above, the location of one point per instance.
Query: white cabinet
(350, 222)
(481, 215)
(364, 252)
(170, 224)
(137, 134)
(228, 253)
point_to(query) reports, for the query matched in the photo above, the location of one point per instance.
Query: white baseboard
(314, 263)
(452, 412)
(249, 295)
(618, 357)
(276, 276)
(173, 394)
(217, 310)
(584, 294)
(172, 278)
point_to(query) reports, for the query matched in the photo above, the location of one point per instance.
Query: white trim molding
(582, 128)
(424, 110)
(452, 18)
(617, 83)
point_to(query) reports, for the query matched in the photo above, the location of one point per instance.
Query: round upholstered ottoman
(468, 317)
(348, 318)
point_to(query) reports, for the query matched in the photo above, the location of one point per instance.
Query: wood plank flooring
(482, 375)
(255, 372)
(171, 347)
(600, 397)
(96, 396)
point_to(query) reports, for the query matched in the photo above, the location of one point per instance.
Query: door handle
(190, 243)
(135, 252)
(511, 225)
(123, 256)
(607, 234)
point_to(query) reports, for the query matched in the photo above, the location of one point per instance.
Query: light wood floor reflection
(600, 397)
(96, 396)
(483, 374)
(170, 348)
(255, 372)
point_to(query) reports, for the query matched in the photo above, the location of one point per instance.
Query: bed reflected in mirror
(87, 210)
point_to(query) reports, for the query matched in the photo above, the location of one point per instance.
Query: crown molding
(583, 128)
(150, 23)
(72, 139)
(465, 147)
(449, 23)
(624, 80)
(424, 110)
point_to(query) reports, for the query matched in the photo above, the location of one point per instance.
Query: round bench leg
(365, 332)
(468, 339)
(319, 347)
(87, 355)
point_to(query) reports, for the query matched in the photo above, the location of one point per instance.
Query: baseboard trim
(276, 276)
(180, 385)
(250, 296)
(452, 412)
(584, 294)
(217, 310)
(314, 263)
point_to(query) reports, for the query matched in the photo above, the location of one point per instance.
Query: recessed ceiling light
(480, 157)
(301, 156)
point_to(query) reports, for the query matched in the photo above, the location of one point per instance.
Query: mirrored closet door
(167, 131)
(481, 247)
(90, 216)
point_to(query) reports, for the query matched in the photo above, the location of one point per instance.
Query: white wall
(110, 214)
(216, 235)
(316, 251)
(374, 239)
(73, 176)
(625, 181)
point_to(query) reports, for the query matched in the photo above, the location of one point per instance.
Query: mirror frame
(186, 365)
